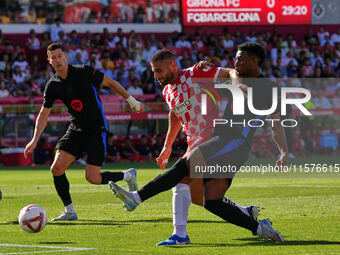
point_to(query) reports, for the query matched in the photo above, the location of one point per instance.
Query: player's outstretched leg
(124, 195)
(181, 202)
(157, 185)
(227, 209)
(233, 214)
(252, 211)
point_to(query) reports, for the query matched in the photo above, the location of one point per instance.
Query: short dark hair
(163, 55)
(253, 49)
(54, 46)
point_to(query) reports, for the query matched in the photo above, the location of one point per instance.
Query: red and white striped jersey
(184, 98)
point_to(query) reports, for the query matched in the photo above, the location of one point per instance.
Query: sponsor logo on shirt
(179, 109)
(77, 105)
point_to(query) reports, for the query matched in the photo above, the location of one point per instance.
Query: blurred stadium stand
(304, 55)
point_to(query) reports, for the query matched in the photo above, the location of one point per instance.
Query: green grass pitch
(305, 209)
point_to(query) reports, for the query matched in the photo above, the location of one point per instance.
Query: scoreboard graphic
(246, 12)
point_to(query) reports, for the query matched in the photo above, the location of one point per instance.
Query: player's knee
(57, 170)
(93, 179)
(197, 200)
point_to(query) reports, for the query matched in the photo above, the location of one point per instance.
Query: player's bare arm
(40, 125)
(135, 105)
(202, 64)
(224, 73)
(173, 129)
(280, 140)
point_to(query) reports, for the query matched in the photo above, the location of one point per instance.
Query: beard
(168, 79)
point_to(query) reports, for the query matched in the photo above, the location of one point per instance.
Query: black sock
(231, 214)
(62, 187)
(164, 181)
(111, 176)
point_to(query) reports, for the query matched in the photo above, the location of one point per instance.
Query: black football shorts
(223, 155)
(78, 143)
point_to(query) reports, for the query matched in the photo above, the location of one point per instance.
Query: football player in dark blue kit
(77, 87)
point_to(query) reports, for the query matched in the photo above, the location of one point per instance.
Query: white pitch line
(44, 246)
(33, 252)
(314, 186)
(57, 249)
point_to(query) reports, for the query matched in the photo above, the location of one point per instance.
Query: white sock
(181, 200)
(259, 230)
(180, 230)
(127, 175)
(136, 197)
(243, 209)
(69, 208)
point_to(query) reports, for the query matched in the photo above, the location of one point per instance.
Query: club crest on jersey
(185, 88)
(77, 105)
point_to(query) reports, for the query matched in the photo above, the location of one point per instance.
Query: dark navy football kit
(87, 132)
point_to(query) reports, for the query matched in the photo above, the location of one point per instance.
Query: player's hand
(282, 161)
(162, 160)
(29, 148)
(135, 105)
(139, 108)
(203, 64)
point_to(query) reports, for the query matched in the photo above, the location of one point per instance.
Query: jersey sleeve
(49, 96)
(96, 77)
(166, 95)
(209, 73)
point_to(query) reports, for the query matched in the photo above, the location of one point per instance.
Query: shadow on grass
(124, 222)
(110, 222)
(258, 241)
(57, 242)
(167, 220)
(90, 223)
(79, 222)
(86, 222)
(12, 222)
(207, 221)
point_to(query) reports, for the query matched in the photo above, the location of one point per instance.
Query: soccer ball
(32, 218)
